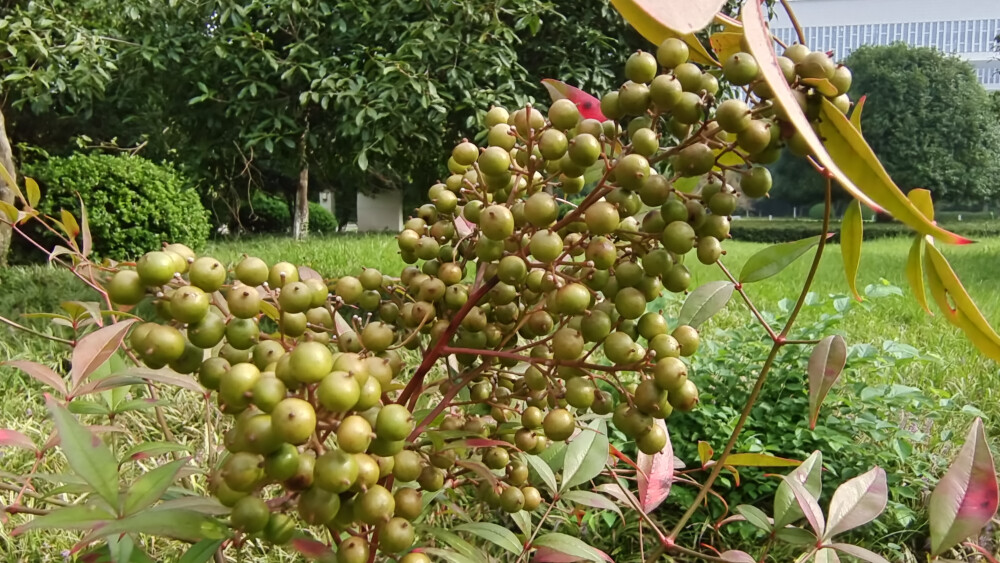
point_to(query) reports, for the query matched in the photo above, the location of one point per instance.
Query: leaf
(177, 523)
(43, 374)
(16, 439)
(468, 551)
(786, 509)
(69, 224)
(87, 454)
(307, 273)
(656, 474)
(796, 536)
(656, 31)
(857, 502)
(136, 376)
(736, 556)
(705, 452)
(570, 546)
(856, 114)
(726, 44)
(759, 460)
(311, 548)
(497, 535)
(755, 516)
(703, 303)
(9, 210)
(966, 497)
(586, 455)
(624, 496)
(149, 487)
(859, 552)
(851, 235)
(849, 149)
(807, 503)
(921, 198)
(543, 471)
(78, 517)
(449, 556)
(826, 363)
(826, 556)
(200, 552)
(775, 258)
(94, 349)
(822, 85)
(681, 16)
(34, 194)
(85, 229)
(945, 284)
(915, 272)
(593, 500)
(7, 177)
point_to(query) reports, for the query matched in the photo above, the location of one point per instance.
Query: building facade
(965, 28)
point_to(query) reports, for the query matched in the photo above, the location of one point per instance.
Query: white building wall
(966, 28)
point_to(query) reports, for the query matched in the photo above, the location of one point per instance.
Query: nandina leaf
(921, 198)
(177, 523)
(87, 454)
(449, 556)
(807, 503)
(94, 349)
(656, 31)
(826, 555)
(34, 194)
(9, 210)
(681, 16)
(759, 460)
(76, 517)
(704, 302)
(755, 516)
(726, 44)
(589, 106)
(200, 552)
(856, 159)
(915, 272)
(656, 475)
(822, 85)
(586, 455)
(622, 495)
(542, 471)
(15, 439)
(856, 114)
(570, 545)
(7, 177)
(736, 556)
(775, 258)
(857, 502)
(592, 499)
(705, 452)
(495, 534)
(42, 374)
(859, 552)
(69, 224)
(851, 235)
(145, 450)
(966, 498)
(825, 365)
(946, 289)
(150, 486)
(786, 509)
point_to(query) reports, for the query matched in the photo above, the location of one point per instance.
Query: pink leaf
(806, 503)
(682, 16)
(857, 502)
(16, 439)
(42, 374)
(94, 349)
(589, 106)
(307, 273)
(656, 474)
(736, 556)
(463, 226)
(623, 496)
(825, 365)
(311, 549)
(549, 555)
(966, 498)
(859, 552)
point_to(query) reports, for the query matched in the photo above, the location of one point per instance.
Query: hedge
(754, 230)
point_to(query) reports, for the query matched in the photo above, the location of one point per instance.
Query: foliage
(133, 204)
(786, 230)
(321, 221)
(266, 213)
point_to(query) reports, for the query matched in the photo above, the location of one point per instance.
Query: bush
(266, 213)
(321, 221)
(785, 230)
(133, 204)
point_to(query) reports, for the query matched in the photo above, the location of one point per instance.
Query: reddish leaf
(857, 502)
(825, 365)
(43, 374)
(94, 349)
(70, 225)
(807, 504)
(705, 452)
(966, 498)
(16, 439)
(570, 545)
(549, 555)
(589, 106)
(657, 474)
(480, 443)
(859, 552)
(737, 557)
(311, 549)
(307, 273)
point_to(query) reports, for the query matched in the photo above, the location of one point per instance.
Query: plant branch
(746, 299)
(828, 205)
(795, 21)
(35, 332)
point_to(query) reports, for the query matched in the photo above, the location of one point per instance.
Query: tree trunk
(300, 224)
(6, 194)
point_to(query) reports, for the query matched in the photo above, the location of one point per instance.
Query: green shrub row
(268, 213)
(754, 230)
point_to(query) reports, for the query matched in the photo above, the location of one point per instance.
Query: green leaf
(759, 460)
(755, 516)
(822, 85)
(921, 199)
(593, 500)
(87, 454)
(956, 304)
(151, 449)
(705, 452)
(856, 114)
(859, 552)
(586, 455)
(449, 556)
(34, 194)
(703, 303)
(857, 502)
(851, 235)
(570, 546)
(79, 517)
(455, 541)
(148, 488)
(796, 536)
(542, 471)
(180, 524)
(786, 509)
(966, 498)
(776, 258)
(497, 535)
(826, 363)
(915, 272)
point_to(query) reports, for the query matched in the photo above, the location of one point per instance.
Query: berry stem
(795, 21)
(23, 328)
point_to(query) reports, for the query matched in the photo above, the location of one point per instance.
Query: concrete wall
(380, 212)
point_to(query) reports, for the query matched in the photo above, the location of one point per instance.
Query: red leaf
(42, 374)
(16, 439)
(589, 106)
(656, 475)
(95, 349)
(825, 365)
(307, 273)
(549, 555)
(311, 549)
(485, 443)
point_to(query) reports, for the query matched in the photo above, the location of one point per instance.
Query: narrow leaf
(656, 474)
(150, 487)
(851, 235)
(497, 535)
(859, 552)
(586, 455)
(807, 504)
(16, 439)
(822, 85)
(825, 366)
(942, 277)
(856, 114)
(736, 556)
(87, 454)
(915, 272)
(10, 211)
(705, 302)
(8, 178)
(543, 471)
(726, 44)
(775, 258)
(705, 452)
(88, 243)
(759, 460)
(42, 374)
(34, 194)
(571, 546)
(786, 509)
(857, 502)
(966, 497)
(310, 548)
(200, 552)
(622, 495)
(79, 517)
(921, 199)
(69, 224)
(755, 516)
(446, 555)
(593, 500)
(656, 31)
(682, 16)
(826, 555)
(185, 525)
(95, 348)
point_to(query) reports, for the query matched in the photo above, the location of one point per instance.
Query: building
(965, 28)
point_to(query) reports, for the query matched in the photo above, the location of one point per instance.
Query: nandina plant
(496, 363)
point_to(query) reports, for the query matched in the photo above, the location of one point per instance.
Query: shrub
(133, 204)
(785, 230)
(321, 221)
(266, 213)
